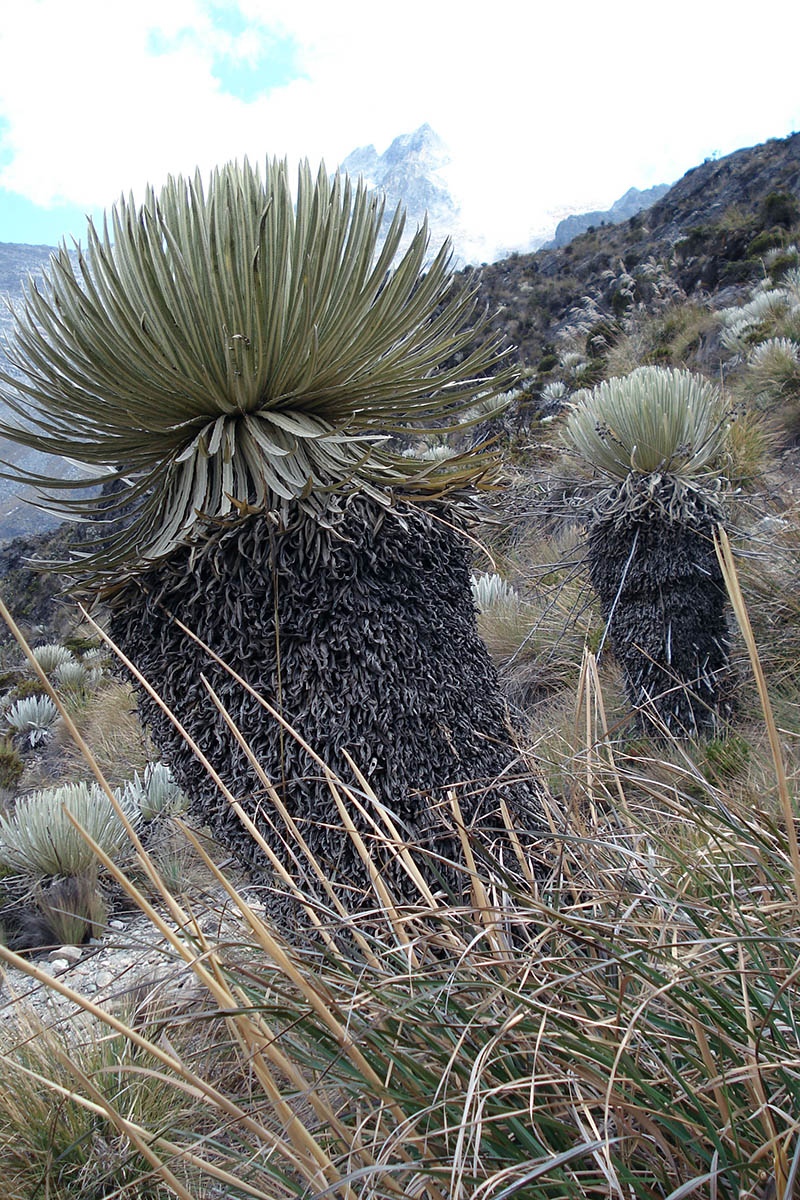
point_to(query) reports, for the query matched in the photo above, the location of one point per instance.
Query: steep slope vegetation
(708, 233)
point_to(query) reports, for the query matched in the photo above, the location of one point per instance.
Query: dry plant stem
(590, 702)
(584, 703)
(384, 896)
(581, 700)
(393, 842)
(253, 830)
(278, 955)
(487, 913)
(705, 1051)
(291, 826)
(606, 740)
(407, 858)
(725, 555)
(515, 842)
(257, 1038)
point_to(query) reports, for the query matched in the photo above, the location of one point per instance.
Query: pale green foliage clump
(775, 352)
(571, 360)
(773, 370)
(737, 334)
(764, 333)
(155, 792)
(95, 658)
(38, 838)
(744, 325)
(491, 590)
(790, 286)
(51, 655)
(438, 454)
(655, 420)
(555, 392)
(33, 716)
(777, 253)
(71, 676)
(234, 348)
(95, 662)
(490, 406)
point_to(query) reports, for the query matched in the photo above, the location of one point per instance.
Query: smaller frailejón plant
(52, 655)
(654, 440)
(33, 717)
(155, 793)
(490, 590)
(38, 839)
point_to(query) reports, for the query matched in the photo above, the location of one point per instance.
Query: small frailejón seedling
(655, 440)
(238, 357)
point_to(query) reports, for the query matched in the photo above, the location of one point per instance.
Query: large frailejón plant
(238, 358)
(655, 440)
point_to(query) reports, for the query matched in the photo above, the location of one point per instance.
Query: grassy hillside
(709, 233)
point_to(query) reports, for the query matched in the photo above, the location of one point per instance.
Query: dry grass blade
(728, 567)
(174, 1064)
(486, 912)
(407, 859)
(291, 825)
(384, 896)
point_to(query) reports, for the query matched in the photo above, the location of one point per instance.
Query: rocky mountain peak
(422, 144)
(409, 172)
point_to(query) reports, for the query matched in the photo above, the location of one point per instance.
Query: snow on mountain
(412, 173)
(417, 170)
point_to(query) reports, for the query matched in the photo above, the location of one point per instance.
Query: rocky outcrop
(743, 179)
(633, 202)
(709, 233)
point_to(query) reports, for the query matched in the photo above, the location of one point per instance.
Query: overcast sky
(543, 104)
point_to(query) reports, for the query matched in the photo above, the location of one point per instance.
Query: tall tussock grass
(620, 1022)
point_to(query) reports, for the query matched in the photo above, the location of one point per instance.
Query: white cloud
(542, 104)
